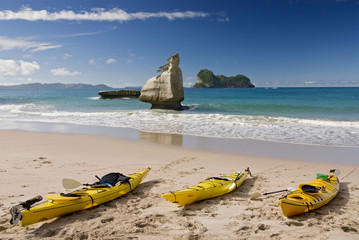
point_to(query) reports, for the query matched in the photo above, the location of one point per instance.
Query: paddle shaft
(267, 193)
(102, 181)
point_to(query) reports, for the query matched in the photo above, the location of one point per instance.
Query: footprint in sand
(177, 162)
(349, 229)
(46, 162)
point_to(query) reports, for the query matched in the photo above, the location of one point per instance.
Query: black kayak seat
(309, 189)
(220, 178)
(113, 179)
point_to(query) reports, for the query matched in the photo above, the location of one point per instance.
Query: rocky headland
(206, 79)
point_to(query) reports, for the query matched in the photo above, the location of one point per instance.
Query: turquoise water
(322, 103)
(320, 116)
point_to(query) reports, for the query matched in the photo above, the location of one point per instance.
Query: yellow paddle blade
(70, 183)
(255, 195)
(337, 172)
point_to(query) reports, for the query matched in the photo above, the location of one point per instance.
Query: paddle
(103, 182)
(257, 194)
(335, 172)
(68, 183)
(71, 183)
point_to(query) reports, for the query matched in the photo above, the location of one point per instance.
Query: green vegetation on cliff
(206, 79)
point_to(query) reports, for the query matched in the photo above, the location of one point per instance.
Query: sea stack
(165, 91)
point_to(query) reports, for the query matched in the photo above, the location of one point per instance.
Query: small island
(206, 79)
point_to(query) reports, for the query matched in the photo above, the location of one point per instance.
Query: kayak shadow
(240, 194)
(336, 205)
(55, 227)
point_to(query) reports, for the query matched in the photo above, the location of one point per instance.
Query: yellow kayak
(61, 204)
(310, 196)
(210, 188)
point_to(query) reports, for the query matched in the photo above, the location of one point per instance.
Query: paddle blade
(70, 183)
(337, 172)
(255, 196)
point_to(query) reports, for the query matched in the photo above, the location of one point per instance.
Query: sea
(312, 116)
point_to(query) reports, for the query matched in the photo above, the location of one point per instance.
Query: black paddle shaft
(275, 191)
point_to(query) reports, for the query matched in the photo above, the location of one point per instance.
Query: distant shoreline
(56, 86)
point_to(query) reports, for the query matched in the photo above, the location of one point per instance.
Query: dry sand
(34, 163)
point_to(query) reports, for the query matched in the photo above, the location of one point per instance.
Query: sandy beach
(34, 164)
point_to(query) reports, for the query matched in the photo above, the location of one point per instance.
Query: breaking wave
(280, 129)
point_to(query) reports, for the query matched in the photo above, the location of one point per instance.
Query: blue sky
(123, 42)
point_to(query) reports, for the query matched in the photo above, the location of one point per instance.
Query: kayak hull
(209, 188)
(299, 201)
(58, 205)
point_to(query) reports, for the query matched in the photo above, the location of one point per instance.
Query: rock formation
(206, 79)
(119, 94)
(165, 91)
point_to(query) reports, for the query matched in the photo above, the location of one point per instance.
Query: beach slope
(34, 164)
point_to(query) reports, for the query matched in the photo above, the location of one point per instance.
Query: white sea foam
(94, 98)
(281, 129)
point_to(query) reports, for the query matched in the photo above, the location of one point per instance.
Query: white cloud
(111, 60)
(222, 17)
(97, 14)
(92, 61)
(86, 33)
(64, 72)
(66, 55)
(133, 57)
(10, 67)
(28, 68)
(23, 44)
(189, 81)
(188, 84)
(129, 60)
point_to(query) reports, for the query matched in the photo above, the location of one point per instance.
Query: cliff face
(165, 91)
(206, 79)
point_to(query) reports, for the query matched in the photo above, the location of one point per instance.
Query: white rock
(166, 90)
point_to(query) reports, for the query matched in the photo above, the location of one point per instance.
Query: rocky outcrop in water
(119, 94)
(165, 91)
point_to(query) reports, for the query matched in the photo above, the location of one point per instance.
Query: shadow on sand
(53, 228)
